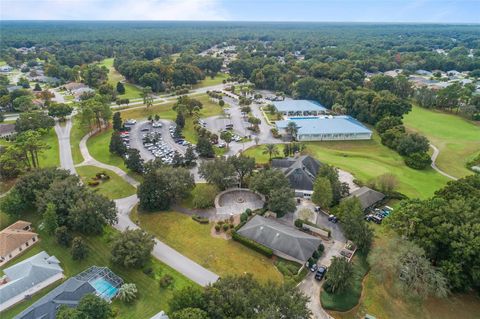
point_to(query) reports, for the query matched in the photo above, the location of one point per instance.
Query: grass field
(131, 91)
(113, 188)
(51, 156)
(77, 133)
(457, 139)
(350, 298)
(209, 81)
(164, 110)
(224, 257)
(380, 300)
(151, 299)
(98, 147)
(367, 160)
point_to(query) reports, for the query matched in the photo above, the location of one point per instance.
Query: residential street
(63, 134)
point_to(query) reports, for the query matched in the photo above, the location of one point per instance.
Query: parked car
(156, 124)
(333, 219)
(314, 267)
(321, 271)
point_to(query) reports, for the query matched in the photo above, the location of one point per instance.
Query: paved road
(63, 135)
(435, 154)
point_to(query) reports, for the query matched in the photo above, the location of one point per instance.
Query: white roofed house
(299, 108)
(27, 277)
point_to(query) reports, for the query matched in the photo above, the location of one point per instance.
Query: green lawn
(131, 91)
(51, 156)
(366, 160)
(209, 81)
(98, 147)
(113, 188)
(164, 110)
(77, 133)
(350, 298)
(224, 257)
(457, 139)
(152, 298)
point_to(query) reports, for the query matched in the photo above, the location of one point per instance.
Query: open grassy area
(113, 188)
(350, 298)
(131, 91)
(77, 133)
(164, 110)
(367, 160)
(151, 299)
(457, 139)
(209, 81)
(224, 257)
(51, 156)
(380, 300)
(98, 147)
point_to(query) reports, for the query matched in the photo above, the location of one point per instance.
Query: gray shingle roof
(280, 237)
(301, 171)
(27, 274)
(367, 196)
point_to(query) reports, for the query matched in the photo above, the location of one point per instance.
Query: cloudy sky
(439, 11)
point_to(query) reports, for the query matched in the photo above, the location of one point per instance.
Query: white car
(131, 122)
(156, 124)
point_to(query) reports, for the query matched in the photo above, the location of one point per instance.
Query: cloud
(113, 10)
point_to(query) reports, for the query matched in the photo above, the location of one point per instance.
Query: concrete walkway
(435, 154)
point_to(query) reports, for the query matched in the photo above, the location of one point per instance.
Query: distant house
(100, 281)
(301, 173)
(12, 88)
(72, 86)
(299, 108)
(6, 130)
(28, 277)
(6, 68)
(285, 241)
(368, 197)
(14, 239)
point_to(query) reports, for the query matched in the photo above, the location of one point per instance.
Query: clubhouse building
(299, 108)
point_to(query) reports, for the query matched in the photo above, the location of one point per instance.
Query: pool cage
(105, 281)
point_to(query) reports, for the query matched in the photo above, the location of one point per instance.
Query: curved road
(161, 251)
(435, 154)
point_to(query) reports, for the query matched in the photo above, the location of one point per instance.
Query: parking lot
(154, 140)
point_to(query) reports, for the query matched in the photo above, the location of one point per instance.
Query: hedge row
(199, 219)
(252, 244)
(299, 224)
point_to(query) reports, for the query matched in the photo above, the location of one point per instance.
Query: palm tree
(127, 292)
(292, 129)
(270, 149)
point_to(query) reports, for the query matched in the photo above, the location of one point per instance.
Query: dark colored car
(321, 271)
(333, 218)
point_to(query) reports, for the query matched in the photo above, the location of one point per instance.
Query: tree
(387, 183)
(127, 293)
(271, 150)
(227, 137)
(132, 248)
(219, 172)
(62, 235)
(37, 87)
(147, 96)
(205, 148)
(354, 226)
(49, 221)
(94, 307)
(267, 180)
(60, 110)
(23, 104)
(91, 213)
(163, 187)
(31, 145)
(411, 271)
(190, 156)
(281, 201)
(180, 120)
(418, 160)
(243, 165)
(387, 123)
(120, 88)
(116, 145)
(65, 312)
(292, 129)
(243, 297)
(322, 192)
(79, 249)
(33, 121)
(339, 189)
(204, 196)
(117, 122)
(190, 313)
(412, 143)
(133, 161)
(339, 277)
(95, 111)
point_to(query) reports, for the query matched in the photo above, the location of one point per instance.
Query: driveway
(312, 287)
(63, 135)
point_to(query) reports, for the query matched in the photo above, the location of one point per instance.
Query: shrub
(93, 183)
(79, 249)
(225, 227)
(217, 227)
(321, 248)
(62, 235)
(127, 293)
(243, 217)
(316, 255)
(204, 196)
(418, 160)
(248, 211)
(240, 225)
(298, 223)
(200, 219)
(252, 244)
(166, 281)
(148, 271)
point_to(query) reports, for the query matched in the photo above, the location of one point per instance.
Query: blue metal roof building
(327, 128)
(299, 107)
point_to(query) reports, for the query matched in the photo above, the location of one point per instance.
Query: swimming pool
(104, 288)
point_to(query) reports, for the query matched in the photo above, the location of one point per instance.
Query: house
(300, 171)
(27, 277)
(368, 197)
(160, 315)
(285, 241)
(72, 86)
(14, 239)
(13, 88)
(326, 128)
(6, 68)
(6, 130)
(95, 280)
(299, 108)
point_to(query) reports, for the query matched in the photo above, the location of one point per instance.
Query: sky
(427, 11)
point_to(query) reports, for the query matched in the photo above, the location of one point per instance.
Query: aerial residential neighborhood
(239, 160)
